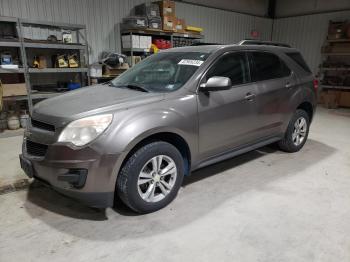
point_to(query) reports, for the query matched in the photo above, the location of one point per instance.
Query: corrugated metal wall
(224, 26)
(102, 19)
(306, 33)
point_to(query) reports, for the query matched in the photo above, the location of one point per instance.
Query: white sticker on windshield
(191, 62)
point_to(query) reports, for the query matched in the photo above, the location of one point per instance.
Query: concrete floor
(262, 206)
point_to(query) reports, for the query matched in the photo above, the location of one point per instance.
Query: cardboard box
(131, 41)
(145, 42)
(96, 70)
(169, 23)
(331, 99)
(14, 89)
(110, 71)
(133, 60)
(340, 48)
(344, 99)
(42, 62)
(167, 8)
(180, 25)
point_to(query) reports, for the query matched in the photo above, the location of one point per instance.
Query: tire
(142, 198)
(290, 143)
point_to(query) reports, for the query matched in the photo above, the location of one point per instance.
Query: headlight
(82, 131)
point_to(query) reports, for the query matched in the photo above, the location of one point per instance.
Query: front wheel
(297, 132)
(151, 177)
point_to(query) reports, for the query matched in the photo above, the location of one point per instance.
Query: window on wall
(233, 66)
(267, 66)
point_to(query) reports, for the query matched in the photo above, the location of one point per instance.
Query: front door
(227, 119)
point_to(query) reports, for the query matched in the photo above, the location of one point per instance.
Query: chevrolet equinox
(137, 136)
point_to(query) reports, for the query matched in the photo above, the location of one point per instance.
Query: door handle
(288, 85)
(249, 96)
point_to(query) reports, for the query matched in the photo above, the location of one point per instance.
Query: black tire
(127, 181)
(287, 143)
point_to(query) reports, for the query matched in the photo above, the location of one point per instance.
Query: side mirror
(216, 83)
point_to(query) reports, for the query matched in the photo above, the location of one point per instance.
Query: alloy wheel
(157, 178)
(300, 130)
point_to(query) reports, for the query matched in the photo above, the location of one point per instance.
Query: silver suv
(182, 109)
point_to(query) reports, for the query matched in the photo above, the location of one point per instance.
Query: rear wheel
(297, 132)
(151, 177)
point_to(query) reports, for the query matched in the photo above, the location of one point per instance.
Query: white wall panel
(103, 17)
(307, 33)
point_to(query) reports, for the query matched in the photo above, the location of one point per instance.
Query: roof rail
(258, 42)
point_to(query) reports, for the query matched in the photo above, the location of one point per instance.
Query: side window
(268, 66)
(299, 60)
(232, 65)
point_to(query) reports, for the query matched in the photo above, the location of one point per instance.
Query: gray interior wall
(224, 26)
(307, 33)
(102, 19)
(299, 7)
(253, 7)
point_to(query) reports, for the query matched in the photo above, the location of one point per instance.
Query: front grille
(42, 125)
(36, 149)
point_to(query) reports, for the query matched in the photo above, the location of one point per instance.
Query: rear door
(274, 79)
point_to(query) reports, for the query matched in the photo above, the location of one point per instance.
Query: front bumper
(86, 174)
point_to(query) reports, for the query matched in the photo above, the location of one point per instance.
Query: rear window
(268, 66)
(299, 60)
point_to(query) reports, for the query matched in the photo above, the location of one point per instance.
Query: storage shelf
(161, 33)
(11, 71)
(336, 68)
(57, 70)
(28, 46)
(10, 44)
(52, 24)
(136, 49)
(336, 87)
(344, 40)
(188, 35)
(336, 54)
(53, 45)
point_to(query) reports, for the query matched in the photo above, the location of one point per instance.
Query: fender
(137, 125)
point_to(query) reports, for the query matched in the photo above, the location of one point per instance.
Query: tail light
(315, 83)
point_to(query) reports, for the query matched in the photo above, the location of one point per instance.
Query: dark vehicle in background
(174, 112)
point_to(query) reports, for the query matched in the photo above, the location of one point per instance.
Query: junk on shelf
(335, 69)
(8, 31)
(110, 64)
(67, 37)
(9, 59)
(135, 22)
(158, 16)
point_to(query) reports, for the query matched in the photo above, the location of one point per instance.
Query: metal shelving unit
(27, 46)
(153, 33)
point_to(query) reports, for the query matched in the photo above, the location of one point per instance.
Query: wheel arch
(308, 108)
(170, 137)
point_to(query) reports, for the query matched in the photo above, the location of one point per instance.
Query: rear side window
(267, 66)
(232, 65)
(299, 60)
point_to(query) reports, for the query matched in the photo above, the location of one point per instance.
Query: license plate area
(27, 166)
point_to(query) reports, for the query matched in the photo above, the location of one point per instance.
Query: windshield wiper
(130, 86)
(135, 87)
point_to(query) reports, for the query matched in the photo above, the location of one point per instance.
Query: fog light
(75, 177)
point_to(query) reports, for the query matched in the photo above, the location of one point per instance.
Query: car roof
(214, 48)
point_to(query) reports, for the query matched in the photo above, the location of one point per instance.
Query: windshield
(162, 72)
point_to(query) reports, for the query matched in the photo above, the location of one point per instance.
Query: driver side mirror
(216, 83)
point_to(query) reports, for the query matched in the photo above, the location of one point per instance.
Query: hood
(91, 100)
